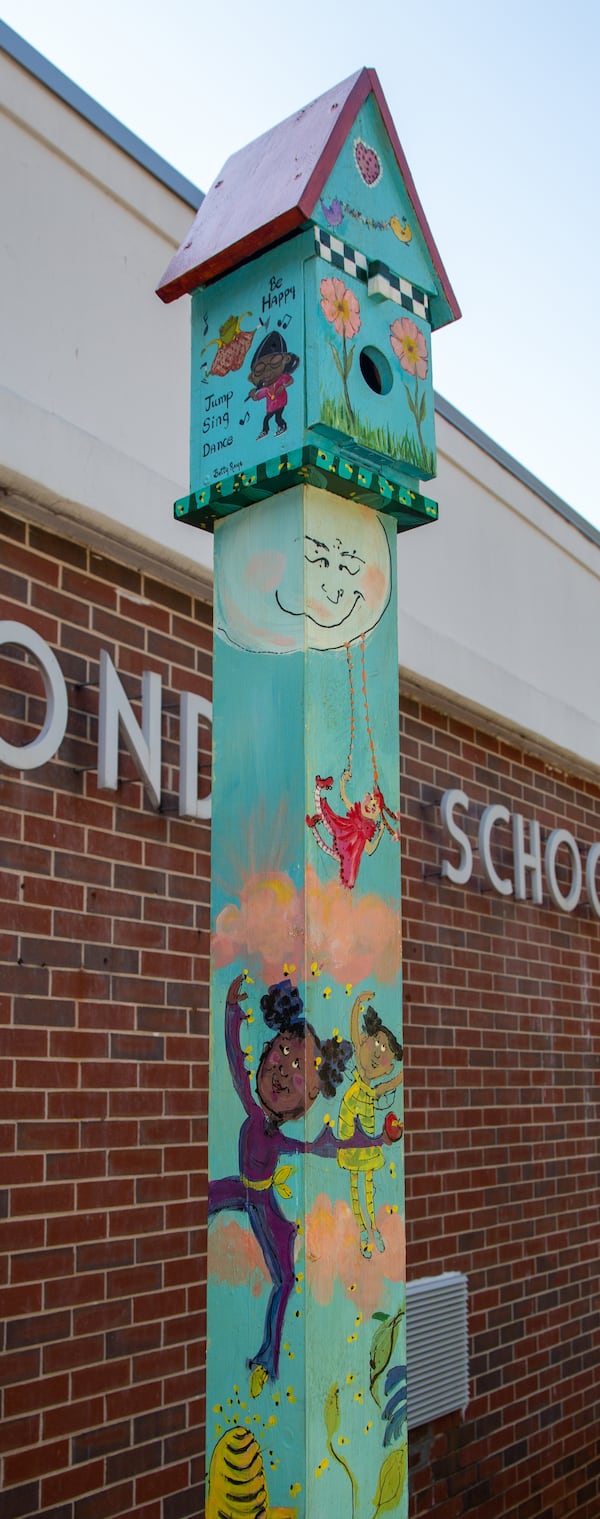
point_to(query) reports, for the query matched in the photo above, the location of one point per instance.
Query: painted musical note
(285, 322)
(244, 420)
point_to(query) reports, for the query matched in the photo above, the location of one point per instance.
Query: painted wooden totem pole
(315, 287)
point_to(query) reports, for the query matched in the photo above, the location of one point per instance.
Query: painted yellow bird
(401, 229)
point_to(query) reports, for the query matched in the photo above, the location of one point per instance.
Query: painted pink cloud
(235, 1257)
(333, 1254)
(353, 938)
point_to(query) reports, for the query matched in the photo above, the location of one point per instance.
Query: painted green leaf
(332, 1417)
(392, 1478)
(337, 359)
(382, 1349)
(331, 1411)
(423, 407)
(410, 400)
(381, 440)
(349, 361)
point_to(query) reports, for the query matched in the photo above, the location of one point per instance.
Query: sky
(496, 104)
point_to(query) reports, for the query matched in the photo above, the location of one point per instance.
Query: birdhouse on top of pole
(316, 285)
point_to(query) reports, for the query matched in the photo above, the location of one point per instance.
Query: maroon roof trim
(229, 258)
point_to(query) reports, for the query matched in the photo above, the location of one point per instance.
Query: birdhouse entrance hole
(376, 371)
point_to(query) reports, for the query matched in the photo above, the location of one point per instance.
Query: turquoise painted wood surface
(316, 283)
(366, 201)
(248, 365)
(306, 1363)
(288, 351)
(368, 374)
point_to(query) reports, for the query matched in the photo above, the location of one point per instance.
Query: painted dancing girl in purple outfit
(294, 1067)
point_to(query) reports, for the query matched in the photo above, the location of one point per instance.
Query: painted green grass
(381, 440)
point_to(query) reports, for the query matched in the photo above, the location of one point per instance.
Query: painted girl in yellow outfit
(376, 1050)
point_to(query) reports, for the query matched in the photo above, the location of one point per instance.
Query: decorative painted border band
(382, 282)
(386, 285)
(306, 466)
(341, 255)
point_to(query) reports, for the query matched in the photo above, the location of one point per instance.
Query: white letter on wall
(531, 861)
(44, 747)
(590, 878)
(144, 744)
(461, 873)
(192, 709)
(489, 816)
(555, 839)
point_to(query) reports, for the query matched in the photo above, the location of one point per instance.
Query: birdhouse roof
(272, 186)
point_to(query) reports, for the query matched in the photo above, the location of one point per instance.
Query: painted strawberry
(232, 345)
(367, 162)
(231, 355)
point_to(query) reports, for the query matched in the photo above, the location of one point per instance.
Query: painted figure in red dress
(357, 832)
(271, 374)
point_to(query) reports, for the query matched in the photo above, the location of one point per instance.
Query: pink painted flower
(341, 307)
(409, 346)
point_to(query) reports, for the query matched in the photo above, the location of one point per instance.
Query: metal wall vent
(437, 1354)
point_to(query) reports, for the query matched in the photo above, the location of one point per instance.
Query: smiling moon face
(346, 583)
(291, 579)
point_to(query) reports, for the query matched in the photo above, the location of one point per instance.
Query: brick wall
(103, 1057)
(502, 1042)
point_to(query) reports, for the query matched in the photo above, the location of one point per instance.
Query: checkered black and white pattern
(341, 255)
(392, 287)
(381, 281)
